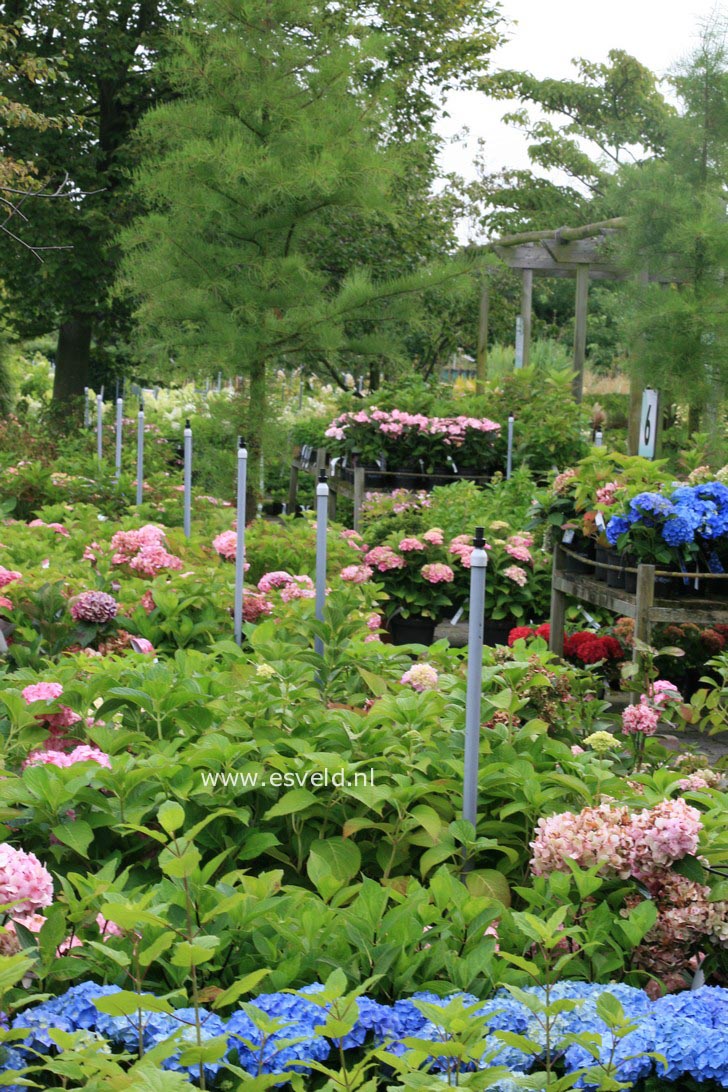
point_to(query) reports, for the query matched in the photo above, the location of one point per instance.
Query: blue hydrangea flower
(651, 504)
(678, 532)
(707, 1005)
(124, 1031)
(11, 1060)
(211, 1027)
(289, 1048)
(691, 1048)
(38, 1022)
(618, 525)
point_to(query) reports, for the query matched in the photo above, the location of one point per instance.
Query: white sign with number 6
(648, 423)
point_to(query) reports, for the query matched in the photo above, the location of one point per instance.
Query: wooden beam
(580, 250)
(568, 234)
(581, 303)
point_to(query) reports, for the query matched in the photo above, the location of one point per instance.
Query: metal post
(478, 563)
(240, 541)
(322, 513)
(187, 518)
(99, 426)
(119, 416)
(509, 457)
(140, 454)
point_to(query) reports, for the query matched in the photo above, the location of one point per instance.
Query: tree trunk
(694, 411)
(73, 356)
(257, 412)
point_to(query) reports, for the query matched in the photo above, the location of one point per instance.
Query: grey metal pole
(187, 518)
(140, 454)
(478, 563)
(219, 382)
(119, 416)
(240, 541)
(509, 458)
(99, 426)
(322, 516)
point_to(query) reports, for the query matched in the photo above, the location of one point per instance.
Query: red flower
(519, 633)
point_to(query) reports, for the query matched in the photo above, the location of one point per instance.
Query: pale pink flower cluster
(438, 573)
(420, 677)
(517, 575)
(63, 759)
(561, 481)
(462, 547)
(640, 719)
(408, 545)
(434, 537)
(606, 494)
(357, 574)
(519, 553)
(7, 576)
(276, 579)
(57, 527)
(24, 881)
(639, 845)
(143, 550)
(374, 621)
(42, 691)
(700, 779)
(226, 545)
(300, 587)
(354, 539)
(661, 691)
(452, 430)
(384, 558)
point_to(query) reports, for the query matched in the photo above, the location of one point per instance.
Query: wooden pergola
(566, 252)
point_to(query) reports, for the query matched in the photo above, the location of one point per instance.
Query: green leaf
(243, 985)
(127, 1003)
(690, 867)
(171, 816)
(293, 801)
(78, 835)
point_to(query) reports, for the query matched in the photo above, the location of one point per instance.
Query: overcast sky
(548, 34)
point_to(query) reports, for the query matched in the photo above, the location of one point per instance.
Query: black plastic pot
(604, 555)
(412, 631)
(495, 631)
(583, 548)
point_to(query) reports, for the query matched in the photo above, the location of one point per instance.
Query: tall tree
(271, 139)
(107, 79)
(678, 236)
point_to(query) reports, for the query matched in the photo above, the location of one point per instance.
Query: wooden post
(644, 602)
(293, 489)
(582, 296)
(635, 411)
(332, 496)
(526, 294)
(558, 608)
(320, 460)
(481, 365)
(358, 495)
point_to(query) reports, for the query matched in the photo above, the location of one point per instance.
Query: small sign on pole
(188, 480)
(649, 422)
(519, 342)
(140, 454)
(598, 438)
(509, 456)
(240, 540)
(119, 418)
(322, 515)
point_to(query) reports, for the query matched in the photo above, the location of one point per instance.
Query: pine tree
(270, 141)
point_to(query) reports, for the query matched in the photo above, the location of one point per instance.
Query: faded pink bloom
(577, 750)
(276, 579)
(142, 645)
(420, 677)
(519, 552)
(434, 537)
(8, 575)
(94, 606)
(42, 691)
(255, 606)
(357, 574)
(517, 575)
(384, 558)
(438, 573)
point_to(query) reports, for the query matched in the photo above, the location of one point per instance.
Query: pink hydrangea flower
(407, 545)
(420, 677)
(24, 881)
(374, 621)
(661, 692)
(433, 537)
(42, 691)
(94, 606)
(8, 575)
(519, 552)
(255, 606)
(276, 579)
(438, 573)
(300, 587)
(640, 718)
(226, 545)
(384, 558)
(517, 575)
(357, 574)
(142, 645)
(63, 759)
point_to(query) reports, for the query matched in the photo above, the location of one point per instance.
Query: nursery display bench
(647, 604)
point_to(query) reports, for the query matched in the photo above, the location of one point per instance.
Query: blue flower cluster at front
(691, 513)
(687, 1029)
